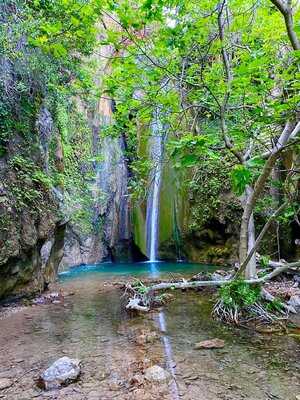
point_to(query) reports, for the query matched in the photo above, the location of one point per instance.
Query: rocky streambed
(123, 357)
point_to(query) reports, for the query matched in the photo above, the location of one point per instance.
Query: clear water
(146, 269)
(92, 325)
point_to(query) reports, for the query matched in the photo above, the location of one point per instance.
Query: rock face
(110, 236)
(62, 372)
(31, 236)
(31, 232)
(31, 229)
(157, 374)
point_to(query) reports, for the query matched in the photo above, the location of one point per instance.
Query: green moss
(209, 191)
(139, 227)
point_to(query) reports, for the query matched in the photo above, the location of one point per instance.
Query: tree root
(256, 311)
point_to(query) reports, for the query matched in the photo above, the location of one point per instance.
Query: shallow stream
(91, 324)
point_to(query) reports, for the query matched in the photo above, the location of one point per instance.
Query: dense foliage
(219, 79)
(215, 77)
(46, 94)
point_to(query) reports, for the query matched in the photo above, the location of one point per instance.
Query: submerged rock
(5, 383)
(62, 372)
(157, 374)
(210, 344)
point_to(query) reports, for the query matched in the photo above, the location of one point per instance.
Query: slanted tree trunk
(286, 9)
(289, 132)
(250, 202)
(250, 272)
(247, 242)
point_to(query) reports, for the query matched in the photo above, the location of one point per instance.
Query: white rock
(157, 374)
(5, 383)
(62, 372)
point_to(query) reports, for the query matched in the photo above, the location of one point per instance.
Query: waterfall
(156, 144)
(156, 147)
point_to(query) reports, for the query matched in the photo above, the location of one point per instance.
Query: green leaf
(240, 178)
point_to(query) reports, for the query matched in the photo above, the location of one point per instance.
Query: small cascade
(156, 144)
(168, 355)
(161, 322)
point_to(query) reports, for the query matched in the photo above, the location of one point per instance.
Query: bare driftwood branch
(134, 304)
(280, 267)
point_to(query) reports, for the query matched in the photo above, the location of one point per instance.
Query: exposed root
(256, 312)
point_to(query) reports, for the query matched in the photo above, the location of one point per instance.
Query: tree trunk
(247, 242)
(285, 7)
(250, 272)
(250, 201)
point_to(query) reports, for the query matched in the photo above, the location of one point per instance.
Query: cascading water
(152, 226)
(156, 144)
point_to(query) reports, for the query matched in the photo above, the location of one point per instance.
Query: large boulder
(62, 372)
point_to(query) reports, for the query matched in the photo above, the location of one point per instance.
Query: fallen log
(135, 302)
(281, 267)
(185, 285)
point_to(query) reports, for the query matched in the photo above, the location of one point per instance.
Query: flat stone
(157, 374)
(210, 344)
(5, 383)
(62, 372)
